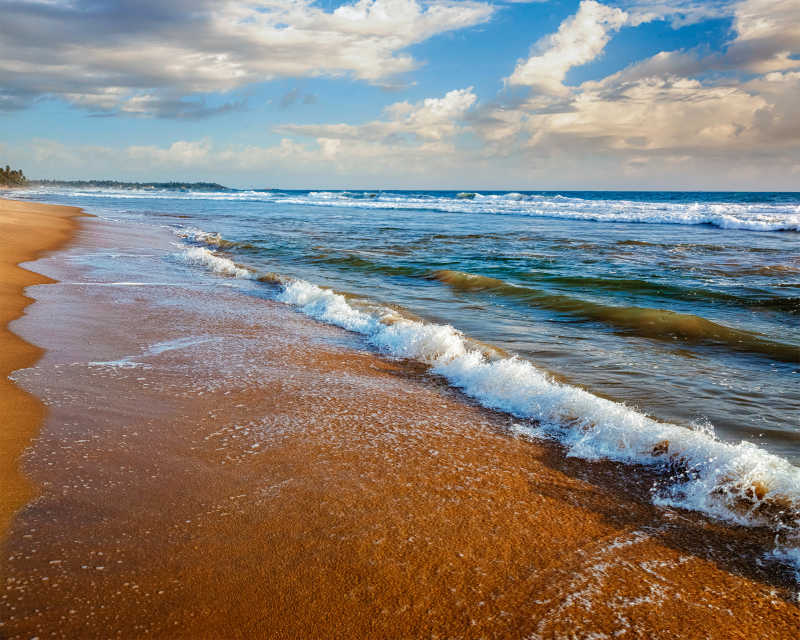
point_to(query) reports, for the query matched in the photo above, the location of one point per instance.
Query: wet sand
(27, 230)
(214, 465)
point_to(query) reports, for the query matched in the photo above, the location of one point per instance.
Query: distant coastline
(117, 184)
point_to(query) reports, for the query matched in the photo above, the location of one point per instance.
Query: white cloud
(433, 119)
(414, 142)
(664, 104)
(579, 39)
(767, 38)
(681, 119)
(178, 154)
(126, 54)
(656, 114)
(768, 33)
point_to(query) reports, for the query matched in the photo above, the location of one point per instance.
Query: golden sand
(272, 481)
(27, 230)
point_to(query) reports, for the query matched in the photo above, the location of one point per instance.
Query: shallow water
(656, 329)
(214, 464)
(684, 306)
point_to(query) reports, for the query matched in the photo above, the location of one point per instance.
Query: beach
(27, 231)
(213, 464)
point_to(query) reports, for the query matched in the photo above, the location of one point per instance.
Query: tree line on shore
(12, 177)
(15, 177)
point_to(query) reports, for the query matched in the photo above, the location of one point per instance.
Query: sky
(460, 94)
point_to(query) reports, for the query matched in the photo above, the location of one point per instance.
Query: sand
(27, 230)
(269, 477)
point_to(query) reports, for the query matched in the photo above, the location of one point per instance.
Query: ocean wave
(204, 237)
(218, 264)
(724, 215)
(636, 287)
(355, 262)
(739, 483)
(736, 482)
(642, 321)
(739, 213)
(661, 290)
(210, 239)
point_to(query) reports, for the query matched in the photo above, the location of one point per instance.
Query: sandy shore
(27, 230)
(214, 465)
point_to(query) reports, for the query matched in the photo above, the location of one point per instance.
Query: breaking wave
(470, 282)
(210, 239)
(749, 212)
(740, 483)
(724, 215)
(218, 264)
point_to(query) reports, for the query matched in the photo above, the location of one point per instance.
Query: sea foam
(724, 215)
(744, 216)
(739, 483)
(218, 264)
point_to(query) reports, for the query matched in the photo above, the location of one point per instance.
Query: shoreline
(215, 464)
(28, 231)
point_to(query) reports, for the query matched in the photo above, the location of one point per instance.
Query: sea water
(651, 328)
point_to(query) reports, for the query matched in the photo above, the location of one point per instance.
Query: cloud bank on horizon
(406, 93)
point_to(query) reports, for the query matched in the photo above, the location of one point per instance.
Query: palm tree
(12, 177)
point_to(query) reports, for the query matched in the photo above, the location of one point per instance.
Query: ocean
(651, 328)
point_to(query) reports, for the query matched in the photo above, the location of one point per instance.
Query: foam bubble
(218, 264)
(739, 483)
(198, 235)
(327, 306)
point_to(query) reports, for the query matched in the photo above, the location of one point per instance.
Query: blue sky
(405, 93)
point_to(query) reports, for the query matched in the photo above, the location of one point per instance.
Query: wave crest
(740, 483)
(218, 264)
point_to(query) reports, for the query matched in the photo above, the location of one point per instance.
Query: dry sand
(27, 230)
(275, 480)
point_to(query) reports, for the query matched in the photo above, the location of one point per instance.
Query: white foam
(734, 482)
(729, 481)
(725, 215)
(198, 235)
(218, 264)
(327, 306)
(791, 557)
(755, 216)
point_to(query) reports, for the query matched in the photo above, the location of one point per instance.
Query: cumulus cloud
(656, 114)
(103, 54)
(669, 115)
(288, 163)
(414, 141)
(684, 118)
(579, 39)
(673, 102)
(768, 36)
(433, 119)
